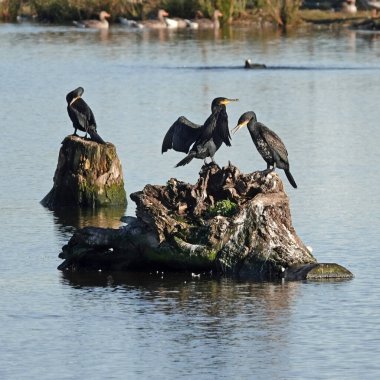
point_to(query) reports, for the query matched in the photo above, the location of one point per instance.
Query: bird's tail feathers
(186, 160)
(290, 178)
(95, 137)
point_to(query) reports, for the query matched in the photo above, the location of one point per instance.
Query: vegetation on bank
(282, 13)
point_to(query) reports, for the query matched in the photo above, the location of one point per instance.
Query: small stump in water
(88, 174)
(229, 223)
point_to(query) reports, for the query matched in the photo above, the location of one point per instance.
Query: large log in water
(228, 222)
(88, 174)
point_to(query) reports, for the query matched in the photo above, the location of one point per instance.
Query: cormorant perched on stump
(269, 145)
(206, 138)
(81, 115)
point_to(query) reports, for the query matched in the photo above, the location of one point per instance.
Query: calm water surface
(320, 95)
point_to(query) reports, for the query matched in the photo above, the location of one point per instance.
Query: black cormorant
(269, 145)
(206, 138)
(248, 64)
(81, 115)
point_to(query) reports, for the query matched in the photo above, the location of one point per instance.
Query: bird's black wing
(274, 142)
(208, 128)
(222, 127)
(82, 112)
(181, 135)
(73, 117)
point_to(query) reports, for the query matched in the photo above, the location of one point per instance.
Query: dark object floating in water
(250, 65)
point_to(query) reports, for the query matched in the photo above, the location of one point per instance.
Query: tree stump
(88, 175)
(228, 223)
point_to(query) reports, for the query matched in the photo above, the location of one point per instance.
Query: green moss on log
(224, 207)
(328, 271)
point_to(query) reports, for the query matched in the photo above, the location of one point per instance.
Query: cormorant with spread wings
(205, 139)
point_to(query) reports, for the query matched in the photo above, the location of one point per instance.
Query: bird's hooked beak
(239, 126)
(226, 101)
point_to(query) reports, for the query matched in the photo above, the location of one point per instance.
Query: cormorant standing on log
(268, 144)
(81, 115)
(206, 138)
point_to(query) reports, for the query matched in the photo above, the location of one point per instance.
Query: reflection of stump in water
(88, 175)
(214, 296)
(79, 217)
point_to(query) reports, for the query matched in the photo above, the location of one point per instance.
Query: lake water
(320, 94)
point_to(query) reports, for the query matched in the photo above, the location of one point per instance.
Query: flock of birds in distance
(161, 21)
(197, 141)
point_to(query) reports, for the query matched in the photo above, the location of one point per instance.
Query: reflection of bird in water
(102, 23)
(81, 115)
(201, 22)
(268, 144)
(206, 138)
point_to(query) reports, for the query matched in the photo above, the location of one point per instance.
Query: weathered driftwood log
(88, 174)
(228, 222)
(317, 271)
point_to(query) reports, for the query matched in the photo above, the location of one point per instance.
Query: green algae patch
(224, 207)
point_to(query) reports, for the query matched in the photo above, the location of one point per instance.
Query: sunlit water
(320, 94)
